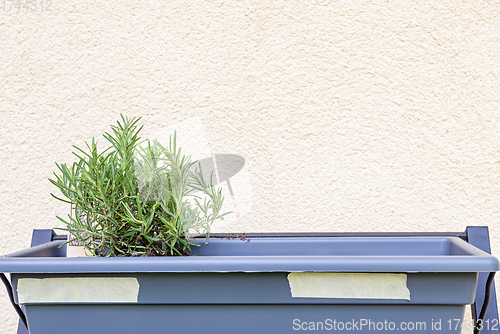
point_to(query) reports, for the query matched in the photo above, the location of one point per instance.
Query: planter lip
(462, 257)
(225, 264)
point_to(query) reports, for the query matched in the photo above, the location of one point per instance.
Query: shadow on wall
(220, 168)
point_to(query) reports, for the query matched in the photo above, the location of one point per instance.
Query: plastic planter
(255, 285)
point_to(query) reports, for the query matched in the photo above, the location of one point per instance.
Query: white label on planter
(78, 290)
(349, 285)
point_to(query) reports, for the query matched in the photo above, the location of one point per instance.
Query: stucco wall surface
(376, 115)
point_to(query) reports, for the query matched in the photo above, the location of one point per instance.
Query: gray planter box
(256, 285)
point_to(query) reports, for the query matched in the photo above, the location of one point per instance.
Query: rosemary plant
(136, 198)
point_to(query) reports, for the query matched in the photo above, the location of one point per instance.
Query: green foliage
(136, 198)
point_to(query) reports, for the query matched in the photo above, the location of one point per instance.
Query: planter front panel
(244, 319)
(250, 303)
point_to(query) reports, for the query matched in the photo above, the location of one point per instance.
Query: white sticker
(349, 285)
(78, 290)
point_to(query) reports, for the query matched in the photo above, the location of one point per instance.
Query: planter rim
(462, 257)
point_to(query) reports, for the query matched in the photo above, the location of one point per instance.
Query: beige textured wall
(376, 115)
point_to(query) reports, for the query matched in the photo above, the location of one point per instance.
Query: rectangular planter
(255, 285)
